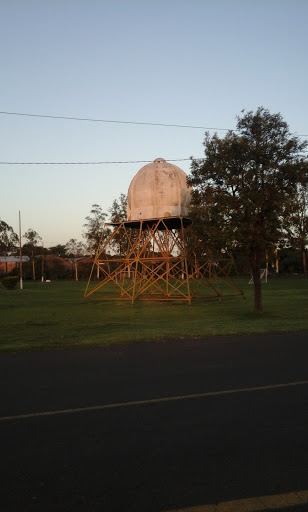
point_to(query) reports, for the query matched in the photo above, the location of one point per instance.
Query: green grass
(53, 315)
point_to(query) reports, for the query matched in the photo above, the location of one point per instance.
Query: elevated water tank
(158, 190)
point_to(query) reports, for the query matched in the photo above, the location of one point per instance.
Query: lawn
(54, 316)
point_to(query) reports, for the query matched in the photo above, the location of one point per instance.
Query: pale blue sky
(178, 62)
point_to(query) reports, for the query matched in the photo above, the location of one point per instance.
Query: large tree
(245, 187)
(118, 213)
(58, 250)
(298, 231)
(75, 250)
(33, 239)
(118, 210)
(95, 231)
(8, 239)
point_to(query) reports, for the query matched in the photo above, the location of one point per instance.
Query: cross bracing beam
(148, 260)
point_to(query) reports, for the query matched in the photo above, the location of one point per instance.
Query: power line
(111, 121)
(90, 119)
(108, 121)
(96, 163)
(105, 162)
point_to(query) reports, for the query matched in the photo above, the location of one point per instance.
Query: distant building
(8, 263)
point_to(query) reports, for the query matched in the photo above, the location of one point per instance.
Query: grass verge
(46, 316)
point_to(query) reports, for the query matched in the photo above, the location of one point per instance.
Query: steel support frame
(212, 275)
(149, 261)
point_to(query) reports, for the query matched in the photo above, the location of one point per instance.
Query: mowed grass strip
(46, 316)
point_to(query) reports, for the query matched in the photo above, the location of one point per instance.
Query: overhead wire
(106, 162)
(96, 163)
(146, 123)
(68, 118)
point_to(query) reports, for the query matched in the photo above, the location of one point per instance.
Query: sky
(180, 62)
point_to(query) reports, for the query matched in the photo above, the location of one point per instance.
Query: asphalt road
(154, 427)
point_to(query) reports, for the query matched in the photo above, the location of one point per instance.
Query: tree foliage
(118, 213)
(95, 231)
(298, 230)
(74, 251)
(33, 239)
(8, 239)
(57, 250)
(245, 187)
(118, 210)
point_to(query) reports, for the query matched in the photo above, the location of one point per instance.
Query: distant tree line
(72, 260)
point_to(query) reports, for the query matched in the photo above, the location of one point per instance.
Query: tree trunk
(33, 268)
(255, 265)
(76, 271)
(42, 267)
(266, 263)
(276, 261)
(304, 261)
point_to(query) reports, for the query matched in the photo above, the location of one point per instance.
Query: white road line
(255, 504)
(150, 401)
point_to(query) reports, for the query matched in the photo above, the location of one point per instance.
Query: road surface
(155, 427)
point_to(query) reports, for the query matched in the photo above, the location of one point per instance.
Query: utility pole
(42, 262)
(20, 256)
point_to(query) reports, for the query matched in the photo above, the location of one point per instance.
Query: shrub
(10, 282)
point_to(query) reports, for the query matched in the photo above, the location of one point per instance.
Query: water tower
(145, 256)
(157, 191)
